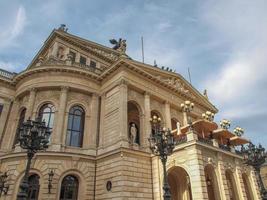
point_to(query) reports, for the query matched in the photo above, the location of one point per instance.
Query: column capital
(96, 94)
(64, 88)
(167, 102)
(123, 82)
(32, 89)
(146, 93)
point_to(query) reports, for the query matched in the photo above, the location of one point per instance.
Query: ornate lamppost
(3, 184)
(225, 124)
(255, 156)
(34, 136)
(238, 131)
(209, 116)
(187, 107)
(162, 144)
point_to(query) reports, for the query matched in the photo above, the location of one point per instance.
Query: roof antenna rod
(189, 75)
(142, 43)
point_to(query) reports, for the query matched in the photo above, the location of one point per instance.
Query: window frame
(71, 131)
(74, 185)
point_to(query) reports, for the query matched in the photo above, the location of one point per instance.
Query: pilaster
(222, 179)
(123, 98)
(197, 174)
(59, 130)
(9, 133)
(240, 183)
(147, 125)
(31, 102)
(102, 116)
(92, 120)
(4, 116)
(167, 110)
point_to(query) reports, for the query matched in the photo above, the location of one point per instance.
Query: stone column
(167, 110)
(147, 124)
(31, 102)
(59, 130)
(123, 115)
(90, 132)
(4, 115)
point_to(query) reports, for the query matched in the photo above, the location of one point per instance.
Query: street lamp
(161, 143)
(34, 136)
(238, 131)
(187, 107)
(256, 156)
(3, 186)
(209, 116)
(225, 124)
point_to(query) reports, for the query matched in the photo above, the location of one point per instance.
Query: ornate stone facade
(113, 91)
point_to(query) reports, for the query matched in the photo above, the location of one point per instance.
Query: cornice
(129, 65)
(53, 68)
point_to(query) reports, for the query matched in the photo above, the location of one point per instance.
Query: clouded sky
(224, 42)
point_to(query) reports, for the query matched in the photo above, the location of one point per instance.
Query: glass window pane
(69, 188)
(76, 123)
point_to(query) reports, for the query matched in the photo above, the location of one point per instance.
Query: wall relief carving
(177, 84)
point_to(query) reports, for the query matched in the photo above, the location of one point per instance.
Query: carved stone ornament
(177, 84)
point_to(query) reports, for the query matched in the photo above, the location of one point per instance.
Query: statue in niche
(133, 135)
(178, 127)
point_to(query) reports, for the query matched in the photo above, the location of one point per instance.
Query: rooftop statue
(119, 45)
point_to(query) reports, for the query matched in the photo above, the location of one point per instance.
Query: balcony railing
(181, 140)
(224, 147)
(205, 141)
(6, 74)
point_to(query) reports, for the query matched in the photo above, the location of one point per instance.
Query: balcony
(6, 74)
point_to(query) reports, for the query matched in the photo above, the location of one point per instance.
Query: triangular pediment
(170, 80)
(93, 51)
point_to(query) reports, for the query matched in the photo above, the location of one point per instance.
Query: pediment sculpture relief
(177, 84)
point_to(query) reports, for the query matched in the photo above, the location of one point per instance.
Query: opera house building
(97, 103)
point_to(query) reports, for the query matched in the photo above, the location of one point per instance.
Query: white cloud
(9, 66)
(13, 29)
(239, 87)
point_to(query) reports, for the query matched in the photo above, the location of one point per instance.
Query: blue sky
(224, 42)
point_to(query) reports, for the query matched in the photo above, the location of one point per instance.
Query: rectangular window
(83, 60)
(93, 64)
(73, 56)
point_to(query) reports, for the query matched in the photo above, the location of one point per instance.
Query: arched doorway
(247, 185)
(179, 182)
(134, 123)
(232, 188)
(212, 183)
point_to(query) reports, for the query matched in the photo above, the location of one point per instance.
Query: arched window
(34, 186)
(69, 188)
(75, 126)
(47, 114)
(21, 120)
